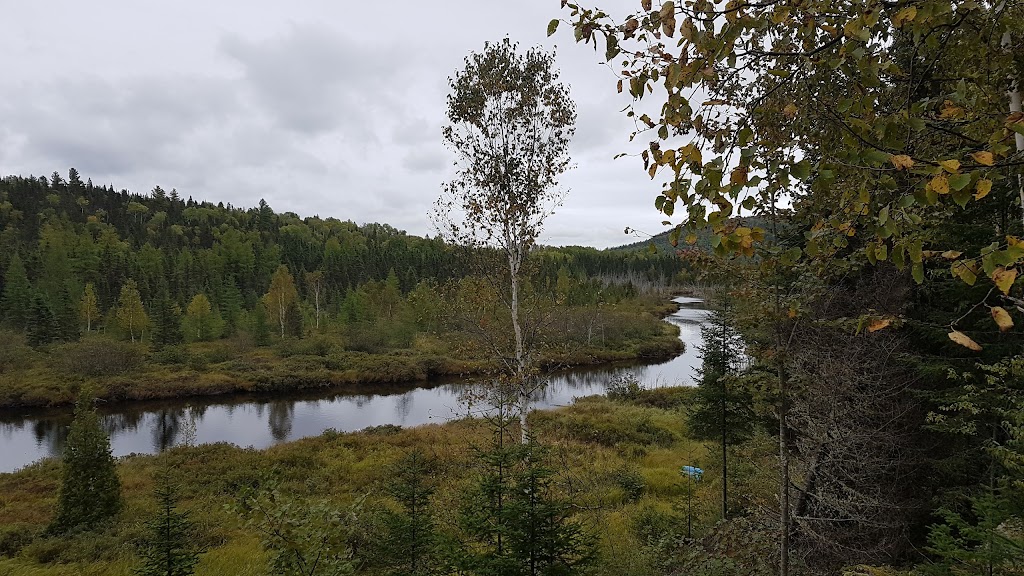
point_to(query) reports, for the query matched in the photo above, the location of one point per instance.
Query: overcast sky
(330, 108)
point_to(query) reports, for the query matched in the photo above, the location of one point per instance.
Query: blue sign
(691, 471)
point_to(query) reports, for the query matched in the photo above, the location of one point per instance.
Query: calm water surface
(261, 421)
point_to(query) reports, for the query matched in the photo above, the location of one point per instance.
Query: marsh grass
(617, 461)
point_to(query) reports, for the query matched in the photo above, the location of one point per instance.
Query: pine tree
(90, 490)
(168, 549)
(17, 300)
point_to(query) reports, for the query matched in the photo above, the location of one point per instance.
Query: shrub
(14, 537)
(99, 356)
(318, 345)
(623, 387)
(13, 351)
(172, 355)
(631, 481)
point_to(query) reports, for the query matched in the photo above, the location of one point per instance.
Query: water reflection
(259, 422)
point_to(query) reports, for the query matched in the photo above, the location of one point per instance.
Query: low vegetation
(617, 461)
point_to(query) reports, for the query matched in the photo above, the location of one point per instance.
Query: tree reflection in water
(279, 417)
(262, 421)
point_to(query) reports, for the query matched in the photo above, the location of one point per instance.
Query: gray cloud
(321, 108)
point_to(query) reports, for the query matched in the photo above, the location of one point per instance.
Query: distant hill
(662, 244)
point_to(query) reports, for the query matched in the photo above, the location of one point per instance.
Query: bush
(666, 398)
(14, 537)
(318, 345)
(631, 481)
(169, 355)
(99, 356)
(13, 351)
(80, 547)
(623, 387)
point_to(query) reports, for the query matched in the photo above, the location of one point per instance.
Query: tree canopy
(877, 120)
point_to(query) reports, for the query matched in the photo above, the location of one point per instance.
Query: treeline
(79, 257)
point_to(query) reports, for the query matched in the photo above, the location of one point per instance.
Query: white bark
(1015, 106)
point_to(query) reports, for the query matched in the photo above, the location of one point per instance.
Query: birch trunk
(1013, 92)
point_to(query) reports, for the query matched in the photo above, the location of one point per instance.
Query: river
(261, 421)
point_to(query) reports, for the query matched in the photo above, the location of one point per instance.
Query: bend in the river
(262, 421)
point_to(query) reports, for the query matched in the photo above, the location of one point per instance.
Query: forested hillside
(162, 271)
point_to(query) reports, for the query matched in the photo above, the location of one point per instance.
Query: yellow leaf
(983, 158)
(983, 187)
(653, 170)
(903, 16)
(939, 184)
(950, 166)
(879, 324)
(668, 18)
(1002, 318)
(964, 340)
(790, 110)
(792, 312)
(1004, 278)
(951, 254)
(738, 176)
(901, 161)
(646, 4)
(950, 110)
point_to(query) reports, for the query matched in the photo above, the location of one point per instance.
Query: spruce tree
(722, 410)
(293, 320)
(412, 539)
(260, 328)
(168, 549)
(66, 314)
(166, 322)
(17, 297)
(90, 490)
(543, 538)
(42, 324)
(517, 525)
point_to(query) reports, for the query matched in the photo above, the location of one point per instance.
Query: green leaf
(914, 250)
(898, 257)
(552, 26)
(791, 256)
(959, 181)
(801, 170)
(917, 271)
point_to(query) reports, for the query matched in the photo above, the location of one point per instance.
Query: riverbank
(122, 372)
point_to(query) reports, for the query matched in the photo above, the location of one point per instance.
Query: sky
(329, 108)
